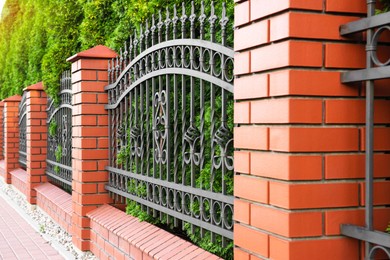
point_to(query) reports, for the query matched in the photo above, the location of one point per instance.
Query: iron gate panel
(374, 26)
(59, 123)
(22, 132)
(170, 118)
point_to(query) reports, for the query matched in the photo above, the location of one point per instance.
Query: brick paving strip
(18, 240)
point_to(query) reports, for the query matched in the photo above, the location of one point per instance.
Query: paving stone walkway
(18, 240)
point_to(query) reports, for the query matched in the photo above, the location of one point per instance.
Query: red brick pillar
(11, 138)
(36, 132)
(1, 130)
(90, 138)
(299, 138)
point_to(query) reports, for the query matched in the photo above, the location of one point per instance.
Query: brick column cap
(16, 98)
(36, 86)
(97, 52)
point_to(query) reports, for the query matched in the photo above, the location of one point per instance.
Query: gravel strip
(49, 230)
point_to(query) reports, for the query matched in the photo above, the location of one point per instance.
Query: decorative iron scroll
(22, 132)
(373, 26)
(170, 115)
(59, 122)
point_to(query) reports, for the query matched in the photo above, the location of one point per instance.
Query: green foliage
(58, 153)
(53, 128)
(62, 41)
(97, 24)
(388, 229)
(384, 8)
(36, 37)
(207, 244)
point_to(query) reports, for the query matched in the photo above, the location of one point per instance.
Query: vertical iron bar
(116, 130)
(121, 123)
(161, 112)
(212, 20)
(141, 39)
(130, 49)
(147, 35)
(159, 27)
(153, 29)
(136, 124)
(167, 24)
(167, 127)
(224, 20)
(369, 130)
(140, 141)
(126, 129)
(202, 17)
(147, 149)
(174, 22)
(148, 133)
(175, 129)
(129, 141)
(125, 55)
(154, 126)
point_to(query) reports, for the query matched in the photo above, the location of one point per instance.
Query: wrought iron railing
(59, 123)
(170, 118)
(374, 26)
(22, 132)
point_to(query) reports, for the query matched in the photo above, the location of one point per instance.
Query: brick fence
(299, 141)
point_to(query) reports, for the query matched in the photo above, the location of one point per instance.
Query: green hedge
(36, 37)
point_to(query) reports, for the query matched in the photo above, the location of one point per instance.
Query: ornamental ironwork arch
(59, 141)
(170, 118)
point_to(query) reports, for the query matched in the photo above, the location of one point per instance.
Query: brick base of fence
(19, 180)
(119, 236)
(2, 169)
(56, 203)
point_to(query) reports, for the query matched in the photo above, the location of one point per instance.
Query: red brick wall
(89, 138)
(36, 131)
(299, 139)
(19, 180)
(116, 235)
(56, 203)
(1, 130)
(11, 139)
